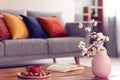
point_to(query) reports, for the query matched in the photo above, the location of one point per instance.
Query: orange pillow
(16, 26)
(52, 27)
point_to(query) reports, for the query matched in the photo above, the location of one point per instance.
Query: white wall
(79, 5)
(66, 6)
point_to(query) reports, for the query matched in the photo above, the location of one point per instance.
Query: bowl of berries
(34, 72)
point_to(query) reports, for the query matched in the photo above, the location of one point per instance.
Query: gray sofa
(26, 51)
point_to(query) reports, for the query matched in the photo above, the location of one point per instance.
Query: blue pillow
(34, 28)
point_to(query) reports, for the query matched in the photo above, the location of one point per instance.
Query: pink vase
(101, 64)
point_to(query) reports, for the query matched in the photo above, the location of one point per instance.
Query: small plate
(34, 77)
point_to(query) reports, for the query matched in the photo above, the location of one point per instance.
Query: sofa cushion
(34, 28)
(1, 49)
(25, 47)
(64, 45)
(46, 14)
(52, 27)
(16, 26)
(4, 33)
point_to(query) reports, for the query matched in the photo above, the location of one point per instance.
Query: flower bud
(81, 25)
(88, 29)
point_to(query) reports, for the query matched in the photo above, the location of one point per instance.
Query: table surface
(85, 74)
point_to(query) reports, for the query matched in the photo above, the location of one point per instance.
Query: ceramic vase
(101, 64)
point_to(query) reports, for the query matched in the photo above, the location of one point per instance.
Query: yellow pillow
(16, 26)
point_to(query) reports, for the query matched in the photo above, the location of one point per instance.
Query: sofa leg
(77, 60)
(54, 60)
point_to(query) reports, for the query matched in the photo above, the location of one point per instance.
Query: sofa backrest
(46, 14)
(15, 12)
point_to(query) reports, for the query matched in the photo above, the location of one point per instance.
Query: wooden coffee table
(86, 74)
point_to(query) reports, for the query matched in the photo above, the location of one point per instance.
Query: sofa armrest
(74, 30)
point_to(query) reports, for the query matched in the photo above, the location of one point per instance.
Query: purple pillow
(34, 28)
(4, 33)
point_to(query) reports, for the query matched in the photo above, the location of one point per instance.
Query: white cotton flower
(107, 39)
(81, 45)
(88, 55)
(93, 35)
(92, 21)
(101, 47)
(98, 40)
(94, 43)
(95, 23)
(100, 35)
(83, 54)
(94, 49)
(93, 53)
(88, 29)
(81, 25)
(85, 49)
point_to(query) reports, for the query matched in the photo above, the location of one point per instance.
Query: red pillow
(4, 34)
(52, 27)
